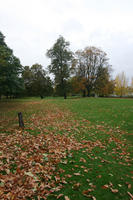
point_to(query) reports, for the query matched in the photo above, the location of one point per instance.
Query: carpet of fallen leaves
(28, 162)
(29, 157)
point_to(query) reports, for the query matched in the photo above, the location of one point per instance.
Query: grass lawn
(73, 149)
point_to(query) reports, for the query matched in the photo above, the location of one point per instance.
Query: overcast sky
(32, 26)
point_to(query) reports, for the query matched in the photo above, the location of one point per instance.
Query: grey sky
(32, 26)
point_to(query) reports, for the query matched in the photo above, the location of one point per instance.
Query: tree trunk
(84, 93)
(65, 95)
(88, 92)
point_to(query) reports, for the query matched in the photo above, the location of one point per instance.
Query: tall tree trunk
(84, 93)
(65, 95)
(88, 92)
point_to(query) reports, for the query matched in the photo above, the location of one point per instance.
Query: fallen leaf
(129, 186)
(114, 190)
(86, 170)
(76, 186)
(60, 195)
(111, 175)
(105, 187)
(77, 174)
(130, 194)
(99, 176)
(67, 198)
(119, 185)
(82, 160)
(86, 192)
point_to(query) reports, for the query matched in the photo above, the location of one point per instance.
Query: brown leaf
(86, 170)
(130, 194)
(99, 176)
(114, 190)
(60, 195)
(105, 187)
(67, 198)
(68, 175)
(77, 174)
(76, 186)
(57, 178)
(129, 186)
(86, 192)
(76, 166)
(82, 160)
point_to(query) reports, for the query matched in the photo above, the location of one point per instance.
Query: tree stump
(20, 118)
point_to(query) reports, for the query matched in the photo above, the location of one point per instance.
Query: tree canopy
(86, 71)
(37, 83)
(61, 58)
(92, 69)
(10, 70)
(121, 84)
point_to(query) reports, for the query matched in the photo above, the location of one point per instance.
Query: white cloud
(31, 27)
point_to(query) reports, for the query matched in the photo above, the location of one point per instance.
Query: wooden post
(20, 117)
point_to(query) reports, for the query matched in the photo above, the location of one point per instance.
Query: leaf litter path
(29, 158)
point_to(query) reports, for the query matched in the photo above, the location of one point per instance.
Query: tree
(27, 77)
(91, 64)
(77, 85)
(61, 58)
(36, 81)
(104, 86)
(132, 83)
(121, 84)
(10, 71)
(131, 87)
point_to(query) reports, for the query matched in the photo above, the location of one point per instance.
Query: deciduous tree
(91, 65)
(121, 84)
(78, 85)
(61, 58)
(37, 83)
(10, 71)
(104, 86)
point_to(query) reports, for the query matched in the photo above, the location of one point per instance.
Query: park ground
(73, 149)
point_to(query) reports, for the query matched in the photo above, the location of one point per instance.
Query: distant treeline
(85, 72)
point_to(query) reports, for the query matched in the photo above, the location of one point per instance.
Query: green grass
(103, 171)
(114, 112)
(115, 119)
(110, 111)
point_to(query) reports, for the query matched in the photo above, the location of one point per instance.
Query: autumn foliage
(61, 156)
